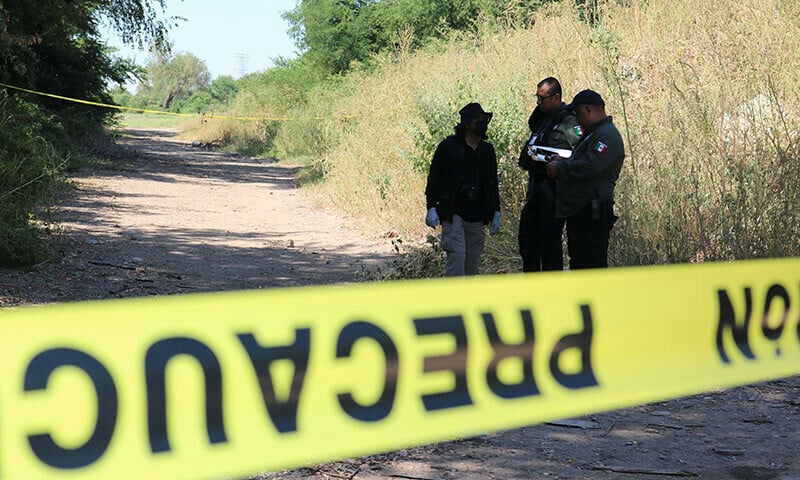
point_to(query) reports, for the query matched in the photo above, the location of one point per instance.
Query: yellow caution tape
(159, 112)
(227, 384)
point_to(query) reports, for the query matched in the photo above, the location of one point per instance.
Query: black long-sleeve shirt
(463, 180)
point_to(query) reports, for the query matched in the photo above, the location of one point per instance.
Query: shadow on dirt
(158, 156)
(102, 259)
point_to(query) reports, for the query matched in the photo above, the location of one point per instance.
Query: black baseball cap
(586, 97)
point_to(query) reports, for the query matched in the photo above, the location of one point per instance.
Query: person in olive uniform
(463, 192)
(540, 230)
(586, 181)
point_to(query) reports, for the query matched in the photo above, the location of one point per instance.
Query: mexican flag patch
(601, 148)
(578, 130)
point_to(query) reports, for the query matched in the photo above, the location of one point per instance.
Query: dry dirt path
(171, 218)
(175, 219)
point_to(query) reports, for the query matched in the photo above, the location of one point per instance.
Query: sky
(233, 37)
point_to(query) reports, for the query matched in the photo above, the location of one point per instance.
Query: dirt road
(169, 219)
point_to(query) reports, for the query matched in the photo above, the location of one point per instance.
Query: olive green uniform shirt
(557, 130)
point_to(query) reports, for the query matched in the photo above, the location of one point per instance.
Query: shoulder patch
(601, 148)
(578, 130)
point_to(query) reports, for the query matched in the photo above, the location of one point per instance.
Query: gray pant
(463, 242)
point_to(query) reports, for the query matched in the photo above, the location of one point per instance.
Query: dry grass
(706, 176)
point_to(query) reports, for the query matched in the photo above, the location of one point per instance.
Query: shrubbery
(54, 47)
(29, 168)
(711, 127)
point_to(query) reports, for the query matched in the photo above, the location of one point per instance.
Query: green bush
(198, 102)
(29, 171)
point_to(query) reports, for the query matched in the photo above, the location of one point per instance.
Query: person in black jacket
(462, 191)
(540, 230)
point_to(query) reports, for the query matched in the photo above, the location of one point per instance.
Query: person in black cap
(586, 181)
(462, 191)
(540, 231)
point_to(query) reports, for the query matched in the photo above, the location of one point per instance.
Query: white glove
(432, 218)
(495, 226)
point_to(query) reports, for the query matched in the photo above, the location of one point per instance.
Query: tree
(223, 89)
(121, 96)
(54, 46)
(137, 21)
(335, 33)
(199, 102)
(172, 78)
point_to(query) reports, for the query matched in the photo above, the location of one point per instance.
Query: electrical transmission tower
(242, 58)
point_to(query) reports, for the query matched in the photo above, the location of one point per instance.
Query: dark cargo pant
(539, 231)
(588, 232)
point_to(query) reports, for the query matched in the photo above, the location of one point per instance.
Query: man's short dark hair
(553, 85)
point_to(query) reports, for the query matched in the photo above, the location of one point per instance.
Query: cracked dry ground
(167, 219)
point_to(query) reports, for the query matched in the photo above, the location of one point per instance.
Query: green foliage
(286, 90)
(284, 86)
(223, 90)
(198, 102)
(121, 96)
(438, 121)
(260, 144)
(335, 34)
(137, 21)
(53, 46)
(342, 33)
(171, 80)
(29, 169)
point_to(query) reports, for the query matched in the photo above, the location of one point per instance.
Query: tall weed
(704, 94)
(29, 171)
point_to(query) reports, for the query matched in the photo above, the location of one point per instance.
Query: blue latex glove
(495, 226)
(432, 218)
